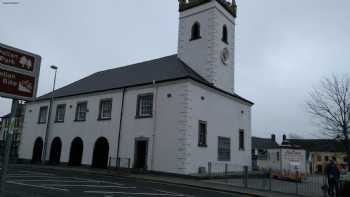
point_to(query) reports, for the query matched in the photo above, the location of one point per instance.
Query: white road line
(95, 186)
(167, 192)
(64, 181)
(132, 194)
(34, 176)
(37, 186)
(37, 173)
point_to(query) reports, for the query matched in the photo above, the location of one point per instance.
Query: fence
(120, 162)
(243, 176)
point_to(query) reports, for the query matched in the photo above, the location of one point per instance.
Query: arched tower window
(224, 34)
(196, 31)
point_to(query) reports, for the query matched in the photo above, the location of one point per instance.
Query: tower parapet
(231, 7)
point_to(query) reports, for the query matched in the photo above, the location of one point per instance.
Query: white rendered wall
(169, 122)
(89, 130)
(174, 126)
(224, 118)
(204, 55)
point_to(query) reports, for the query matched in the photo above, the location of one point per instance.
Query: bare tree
(330, 105)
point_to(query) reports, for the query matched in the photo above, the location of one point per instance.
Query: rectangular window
(202, 134)
(42, 115)
(80, 113)
(60, 113)
(278, 156)
(241, 139)
(144, 106)
(319, 158)
(224, 149)
(326, 158)
(105, 109)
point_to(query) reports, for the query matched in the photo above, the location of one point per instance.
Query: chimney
(273, 137)
(284, 137)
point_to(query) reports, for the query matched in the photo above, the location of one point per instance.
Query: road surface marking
(133, 194)
(96, 186)
(38, 173)
(64, 181)
(179, 194)
(37, 186)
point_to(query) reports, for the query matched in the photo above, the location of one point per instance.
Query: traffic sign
(19, 73)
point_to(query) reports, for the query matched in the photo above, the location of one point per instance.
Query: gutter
(120, 126)
(155, 96)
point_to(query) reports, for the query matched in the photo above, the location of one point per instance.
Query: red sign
(16, 59)
(18, 84)
(19, 73)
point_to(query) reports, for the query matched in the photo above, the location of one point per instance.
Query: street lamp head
(54, 67)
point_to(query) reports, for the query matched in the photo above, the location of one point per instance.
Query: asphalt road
(28, 182)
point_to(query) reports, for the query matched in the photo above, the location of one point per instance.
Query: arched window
(196, 31)
(224, 34)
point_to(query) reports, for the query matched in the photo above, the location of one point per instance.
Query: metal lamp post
(47, 132)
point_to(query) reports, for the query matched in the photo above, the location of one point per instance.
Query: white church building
(174, 114)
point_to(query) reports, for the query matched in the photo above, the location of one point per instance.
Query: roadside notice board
(19, 73)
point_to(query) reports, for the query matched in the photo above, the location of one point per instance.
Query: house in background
(260, 147)
(173, 114)
(320, 152)
(17, 132)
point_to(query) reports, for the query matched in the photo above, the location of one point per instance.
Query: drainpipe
(155, 93)
(120, 126)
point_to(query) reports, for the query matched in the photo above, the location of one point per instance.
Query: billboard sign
(19, 73)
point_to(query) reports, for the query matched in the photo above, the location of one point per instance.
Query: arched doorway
(37, 150)
(55, 151)
(100, 155)
(76, 152)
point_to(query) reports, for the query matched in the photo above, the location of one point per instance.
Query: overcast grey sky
(283, 47)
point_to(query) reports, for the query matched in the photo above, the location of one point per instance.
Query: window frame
(224, 34)
(40, 111)
(200, 143)
(64, 113)
(220, 149)
(138, 106)
(196, 31)
(100, 113)
(241, 144)
(77, 119)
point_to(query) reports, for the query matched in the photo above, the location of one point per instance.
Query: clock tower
(207, 39)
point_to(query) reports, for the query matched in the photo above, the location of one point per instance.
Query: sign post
(19, 75)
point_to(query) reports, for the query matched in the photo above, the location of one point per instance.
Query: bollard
(209, 168)
(270, 180)
(245, 178)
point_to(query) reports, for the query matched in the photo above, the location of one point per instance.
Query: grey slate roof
(318, 145)
(263, 143)
(159, 70)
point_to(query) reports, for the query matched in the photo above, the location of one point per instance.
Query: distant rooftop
(319, 145)
(264, 143)
(231, 7)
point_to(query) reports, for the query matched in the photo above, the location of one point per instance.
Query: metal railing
(243, 176)
(120, 162)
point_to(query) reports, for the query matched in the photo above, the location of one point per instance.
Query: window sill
(193, 39)
(56, 121)
(103, 119)
(41, 122)
(241, 149)
(224, 160)
(202, 145)
(224, 42)
(79, 120)
(142, 117)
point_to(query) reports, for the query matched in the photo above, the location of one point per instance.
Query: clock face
(225, 56)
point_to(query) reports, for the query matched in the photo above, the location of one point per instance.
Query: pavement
(43, 180)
